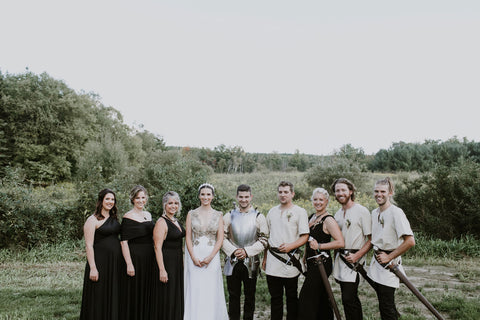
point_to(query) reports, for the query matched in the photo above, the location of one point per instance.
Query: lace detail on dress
(210, 230)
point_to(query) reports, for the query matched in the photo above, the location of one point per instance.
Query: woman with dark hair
(100, 299)
(204, 296)
(168, 237)
(137, 249)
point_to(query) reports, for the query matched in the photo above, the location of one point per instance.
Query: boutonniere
(348, 223)
(289, 215)
(381, 221)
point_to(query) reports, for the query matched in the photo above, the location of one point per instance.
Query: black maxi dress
(136, 302)
(168, 297)
(313, 299)
(100, 300)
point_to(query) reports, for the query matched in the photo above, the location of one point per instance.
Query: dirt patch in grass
(436, 282)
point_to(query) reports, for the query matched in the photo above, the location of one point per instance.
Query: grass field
(46, 283)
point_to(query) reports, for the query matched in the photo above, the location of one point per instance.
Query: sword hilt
(321, 254)
(390, 264)
(290, 256)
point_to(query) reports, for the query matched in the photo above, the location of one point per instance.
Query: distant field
(264, 189)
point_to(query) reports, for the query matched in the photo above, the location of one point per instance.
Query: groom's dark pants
(234, 286)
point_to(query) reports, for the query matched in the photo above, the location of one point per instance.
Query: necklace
(315, 218)
(173, 219)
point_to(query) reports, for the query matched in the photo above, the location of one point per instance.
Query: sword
(319, 259)
(396, 270)
(290, 255)
(357, 267)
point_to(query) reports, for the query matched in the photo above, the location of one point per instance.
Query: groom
(246, 233)
(289, 230)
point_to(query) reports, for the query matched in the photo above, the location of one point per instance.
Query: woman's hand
(130, 270)
(93, 275)
(197, 262)
(163, 276)
(206, 261)
(313, 244)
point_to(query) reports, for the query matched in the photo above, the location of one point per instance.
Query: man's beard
(347, 199)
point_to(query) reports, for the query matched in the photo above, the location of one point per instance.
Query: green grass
(42, 283)
(46, 283)
(40, 290)
(40, 303)
(427, 246)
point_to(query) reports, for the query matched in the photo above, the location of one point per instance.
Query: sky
(269, 76)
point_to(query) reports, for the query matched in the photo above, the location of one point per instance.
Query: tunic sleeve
(402, 226)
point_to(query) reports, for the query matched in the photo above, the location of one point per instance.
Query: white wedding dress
(204, 295)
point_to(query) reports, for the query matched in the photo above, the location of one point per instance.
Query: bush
(30, 216)
(444, 201)
(327, 172)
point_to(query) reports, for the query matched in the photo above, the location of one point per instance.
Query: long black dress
(168, 297)
(313, 299)
(100, 300)
(137, 290)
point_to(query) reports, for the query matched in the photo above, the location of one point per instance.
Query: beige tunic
(285, 226)
(388, 229)
(356, 226)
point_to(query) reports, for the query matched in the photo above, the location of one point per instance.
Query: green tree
(298, 161)
(45, 124)
(324, 174)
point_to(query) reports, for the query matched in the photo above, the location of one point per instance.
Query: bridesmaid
(137, 249)
(167, 237)
(100, 298)
(325, 235)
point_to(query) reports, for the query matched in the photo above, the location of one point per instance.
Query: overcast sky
(265, 75)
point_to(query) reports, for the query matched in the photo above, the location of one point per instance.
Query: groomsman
(391, 237)
(355, 222)
(288, 224)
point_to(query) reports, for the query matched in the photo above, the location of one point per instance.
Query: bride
(204, 295)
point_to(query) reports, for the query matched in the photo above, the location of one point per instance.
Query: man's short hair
(244, 188)
(286, 184)
(349, 184)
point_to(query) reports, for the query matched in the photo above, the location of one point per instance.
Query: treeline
(59, 147)
(422, 157)
(228, 159)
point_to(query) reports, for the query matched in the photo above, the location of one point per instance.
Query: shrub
(324, 174)
(30, 216)
(444, 201)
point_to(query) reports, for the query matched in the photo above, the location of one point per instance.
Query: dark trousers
(351, 303)
(234, 286)
(276, 286)
(386, 302)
